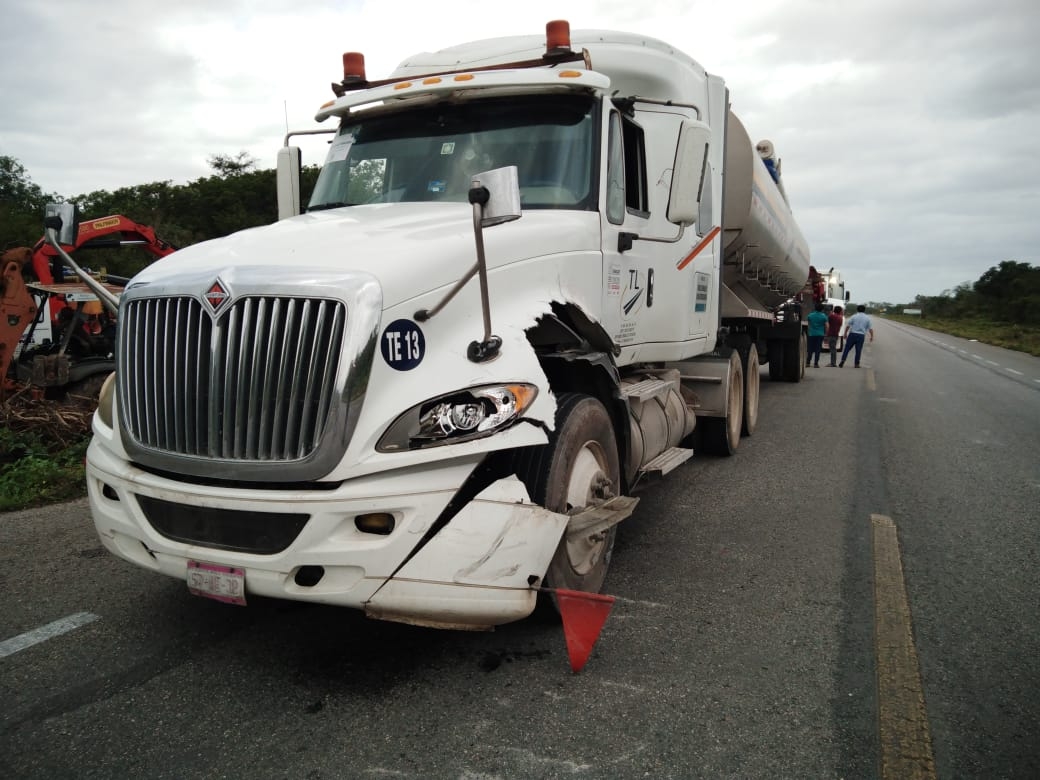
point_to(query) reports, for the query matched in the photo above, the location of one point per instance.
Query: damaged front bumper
(479, 569)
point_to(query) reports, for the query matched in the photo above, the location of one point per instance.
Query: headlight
(463, 416)
(106, 399)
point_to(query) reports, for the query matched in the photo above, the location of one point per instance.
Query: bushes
(35, 472)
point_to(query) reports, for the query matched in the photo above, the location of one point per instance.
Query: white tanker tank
(765, 256)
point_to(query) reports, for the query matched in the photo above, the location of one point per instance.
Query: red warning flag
(583, 616)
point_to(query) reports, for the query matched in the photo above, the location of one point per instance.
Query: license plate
(223, 583)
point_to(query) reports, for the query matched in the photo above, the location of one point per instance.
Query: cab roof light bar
(557, 51)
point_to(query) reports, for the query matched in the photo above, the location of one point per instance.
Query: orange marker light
(353, 66)
(464, 77)
(557, 36)
(403, 85)
(570, 74)
(432, 80)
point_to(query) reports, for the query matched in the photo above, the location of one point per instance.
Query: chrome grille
(255, 384)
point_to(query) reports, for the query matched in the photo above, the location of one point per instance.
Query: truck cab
(433, 391)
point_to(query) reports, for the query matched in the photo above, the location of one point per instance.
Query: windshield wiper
(333, 205)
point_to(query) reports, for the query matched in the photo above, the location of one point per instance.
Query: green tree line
(1009, 292)
(237, 195)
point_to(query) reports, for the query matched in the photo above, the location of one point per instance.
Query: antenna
(285, 108)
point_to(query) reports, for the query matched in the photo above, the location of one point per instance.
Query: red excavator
(55, 333)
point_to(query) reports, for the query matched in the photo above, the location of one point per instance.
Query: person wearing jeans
(856, 330)
(817, 320)
(834, 322)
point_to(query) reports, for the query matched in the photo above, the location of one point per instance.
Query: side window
(635, 168)
(615, 172)
(705, 209)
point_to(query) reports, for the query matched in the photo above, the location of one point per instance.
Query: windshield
(429, 153)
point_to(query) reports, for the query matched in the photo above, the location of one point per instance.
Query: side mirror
(503, 203)
(689, 172)
(289, 159)
(63, 218)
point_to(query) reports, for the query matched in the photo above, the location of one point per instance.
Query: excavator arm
(80, 334)
(111, 231)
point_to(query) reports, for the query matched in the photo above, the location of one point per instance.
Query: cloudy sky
(908, 131)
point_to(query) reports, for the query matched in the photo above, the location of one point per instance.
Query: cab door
(657, 297)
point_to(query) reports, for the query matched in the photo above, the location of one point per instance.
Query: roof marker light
(570, 74)
(353, 67)
(557, 37)
(403, 85)
(464, 77)
(432, 80)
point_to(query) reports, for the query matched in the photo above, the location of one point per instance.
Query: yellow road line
(906, 742)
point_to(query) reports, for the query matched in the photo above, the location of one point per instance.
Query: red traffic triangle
(583, 616)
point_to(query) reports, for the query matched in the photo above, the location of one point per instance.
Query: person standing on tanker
(855, 332)
(834, 322)
(817, 320)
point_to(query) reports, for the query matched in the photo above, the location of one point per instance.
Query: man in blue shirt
(856, 330)
(817, 330)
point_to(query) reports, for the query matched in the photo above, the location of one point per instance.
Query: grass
(1021, 338)
(35, 472)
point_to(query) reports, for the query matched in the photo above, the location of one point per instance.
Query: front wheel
(577, 469)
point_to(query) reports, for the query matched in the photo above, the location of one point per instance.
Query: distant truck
(833, 292)
(535, 275)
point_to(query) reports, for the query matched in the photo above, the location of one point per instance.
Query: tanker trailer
(765, 264)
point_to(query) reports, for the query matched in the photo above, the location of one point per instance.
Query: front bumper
(479, 570)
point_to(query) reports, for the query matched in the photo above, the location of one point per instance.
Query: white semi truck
(535, 274)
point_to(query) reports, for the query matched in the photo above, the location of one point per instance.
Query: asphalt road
(744, 641)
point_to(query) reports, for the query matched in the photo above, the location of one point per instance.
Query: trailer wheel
(721, 435)
(775, 355)
(795, 353)
(752, 380)
(579, 467)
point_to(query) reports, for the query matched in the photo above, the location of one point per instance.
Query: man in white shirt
(856, 330)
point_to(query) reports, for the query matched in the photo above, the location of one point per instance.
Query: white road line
(43, 633)
(993, 362)
(977, 357)
(1016, 373)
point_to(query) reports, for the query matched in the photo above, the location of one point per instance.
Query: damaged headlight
(463, 416)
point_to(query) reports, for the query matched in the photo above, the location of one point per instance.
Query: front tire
(578, 468)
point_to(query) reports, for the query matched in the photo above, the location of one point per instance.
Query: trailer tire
(775, 355)
(578, 467)
(721, 435)
(752, 382)
(795, 353)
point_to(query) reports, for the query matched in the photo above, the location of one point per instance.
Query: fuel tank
(765, 256)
